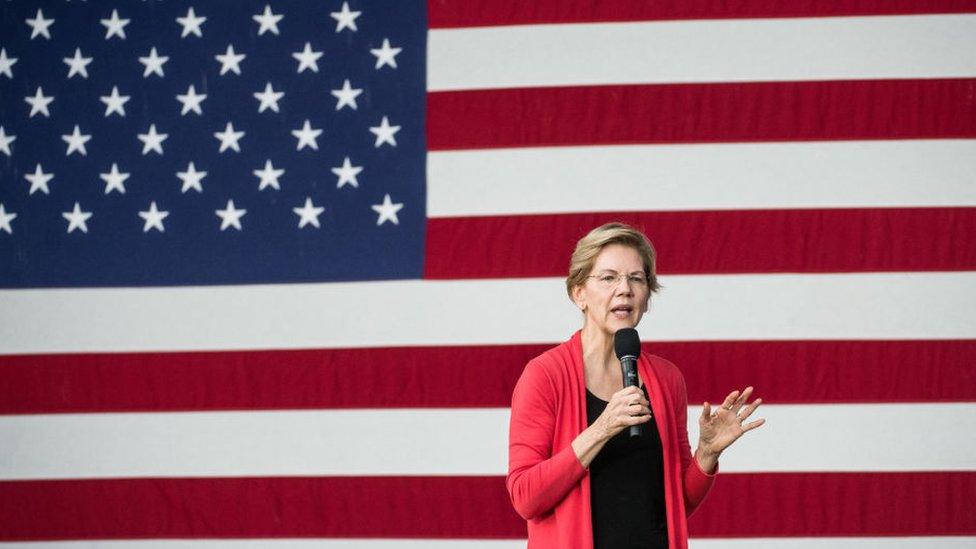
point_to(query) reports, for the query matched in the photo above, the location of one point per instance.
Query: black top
(627, 487)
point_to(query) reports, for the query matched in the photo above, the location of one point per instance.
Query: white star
(387, 211)
(6, 218)
(191, 101)
(154, 63)
(269, 176)
(307, 58)
(347, 95)
(39, 103)
(191, 178)
(5, 141)
(268, 98)
(114, 180)
(152, 141)
(307, 136)
(268, 21)
(115, 26)
(38, 180)
(77, 219)
(76, 142)
(230, 216)
(115, 102)
(385, 55)
(39, 25)
(309, 214)
(230, 61)
(385, 132)
(347, 174)
(78, 64)
(229, 138)
(153, 217)
(346, 19)
(191, 24)
(6, 63)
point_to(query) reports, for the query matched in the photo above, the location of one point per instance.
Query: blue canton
(193, 143)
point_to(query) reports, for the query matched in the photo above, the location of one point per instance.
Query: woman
(574, 473)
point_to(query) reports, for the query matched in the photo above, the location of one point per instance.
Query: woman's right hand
(626, 407)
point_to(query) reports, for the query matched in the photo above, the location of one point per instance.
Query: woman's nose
(623, 286)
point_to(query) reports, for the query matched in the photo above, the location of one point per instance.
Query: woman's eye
(608, 278)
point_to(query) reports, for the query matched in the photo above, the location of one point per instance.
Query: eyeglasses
(610, 280)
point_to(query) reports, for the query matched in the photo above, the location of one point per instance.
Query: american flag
(271, 269)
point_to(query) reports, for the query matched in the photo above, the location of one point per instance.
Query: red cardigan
(548, 485)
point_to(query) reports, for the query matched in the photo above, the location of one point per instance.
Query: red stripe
(806, 372)
(784, 372)
(838, 504)
(395, 507)
(698, 113)
(753, 505)
(481, 13)
(713, 242)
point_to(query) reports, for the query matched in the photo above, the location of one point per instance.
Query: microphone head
(626, 342)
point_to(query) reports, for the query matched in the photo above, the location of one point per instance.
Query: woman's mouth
(622, 311)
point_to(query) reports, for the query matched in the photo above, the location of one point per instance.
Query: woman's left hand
(718, 430)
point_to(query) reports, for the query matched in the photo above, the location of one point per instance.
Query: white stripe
(732, 50)
(279, 543)
(948, 542)
(735, 307)
(276, 443)
(865, 437)
(702, 177)
(326, 543)
(851, 437)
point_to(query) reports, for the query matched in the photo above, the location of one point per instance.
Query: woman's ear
(579, 297)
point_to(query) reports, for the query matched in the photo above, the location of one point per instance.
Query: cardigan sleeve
(537, 479)
(696, 483)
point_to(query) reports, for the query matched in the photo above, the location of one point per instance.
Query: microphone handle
(629, 366)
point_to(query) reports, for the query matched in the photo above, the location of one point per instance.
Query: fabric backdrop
(270, 270)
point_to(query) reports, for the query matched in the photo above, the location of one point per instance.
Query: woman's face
(616, 293)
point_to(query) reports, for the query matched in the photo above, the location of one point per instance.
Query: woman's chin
(615, 323)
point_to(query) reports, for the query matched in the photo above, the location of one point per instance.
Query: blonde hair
(590, 246)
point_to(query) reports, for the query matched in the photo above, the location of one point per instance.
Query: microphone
(626, 344)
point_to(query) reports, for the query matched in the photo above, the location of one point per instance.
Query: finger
(742, 399)
(637, 420)
(753, 424)
(750, 409)
(730, 400)
(627, 392)
(622, 397)
(637, 402)
(706, 411)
